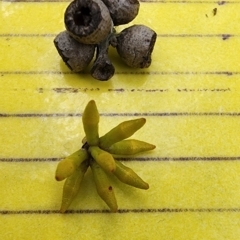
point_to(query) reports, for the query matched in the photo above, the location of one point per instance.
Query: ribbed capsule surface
(122, 11)
(76, 55)
(103, 158)
(90, 121)
(128, 176)
(68, 165)
(124, 130)
(72, 185)
(103, 186)
(88, 21)
(130, 146)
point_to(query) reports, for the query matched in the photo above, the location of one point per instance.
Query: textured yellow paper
(189, 96)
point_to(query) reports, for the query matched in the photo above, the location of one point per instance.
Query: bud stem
(103, 68)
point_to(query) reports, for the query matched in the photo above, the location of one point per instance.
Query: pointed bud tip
(153, 147)
(146, 186)
(92, 102)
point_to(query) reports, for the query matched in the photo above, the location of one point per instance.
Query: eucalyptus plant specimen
(96, 153)
(90, 25)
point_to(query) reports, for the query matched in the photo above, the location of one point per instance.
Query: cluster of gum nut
(90, 25)
(99, 153)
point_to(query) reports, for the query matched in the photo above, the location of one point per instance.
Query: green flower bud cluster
(90, 26)
(96, 153)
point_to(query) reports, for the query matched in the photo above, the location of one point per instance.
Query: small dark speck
(214, 11)
(110, 188)
(226, 36)
(221, 2)
(229, 73)
(40, 90)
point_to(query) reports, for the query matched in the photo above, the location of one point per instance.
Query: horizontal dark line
(144, 1)
(13, 160)
(167, 35)
(146, 114)
(191, 2)
(128, 159)
(3, 35)
(178, 159)
(121, 211)
(228, 73)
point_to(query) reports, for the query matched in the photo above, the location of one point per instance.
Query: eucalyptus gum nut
(103, 186)
(102, 68)
(128, 176)
(129, 147)
(72, 185)
(104, 159)
(88, 21)
(122, 11)
(124, 130)
(135, 45)
(76, 56)
(90, 121)
(68, 165)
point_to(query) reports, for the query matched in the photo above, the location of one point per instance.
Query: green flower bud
(123, 130)
(103, 158)
(129, 147)
(128, 176)
(68, 165)
(90, 121)
(103, 186)
(72, 185)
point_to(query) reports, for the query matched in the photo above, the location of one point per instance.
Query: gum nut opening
(102, 70)
(88, 21)
(135, 45)
(122, 11)
(76, 56)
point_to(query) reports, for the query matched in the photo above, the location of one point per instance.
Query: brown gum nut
(122, 11)
(76, 55)
(135, 45)
(102, 69)
(88, 21)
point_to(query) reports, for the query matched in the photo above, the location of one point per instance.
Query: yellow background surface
(189, 96)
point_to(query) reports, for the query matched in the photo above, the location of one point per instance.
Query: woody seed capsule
(122, 11)
(76, 55)
(135, 45)
(88, 21)
(103, 68)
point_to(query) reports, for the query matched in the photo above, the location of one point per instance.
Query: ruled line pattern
(123, 211)
(143, 1)
(223, 36)
(227, 73)
(118, 114)
(129, 159)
